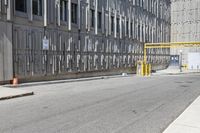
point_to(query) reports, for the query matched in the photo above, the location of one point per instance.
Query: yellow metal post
(142, 69)
(145, 61)
(146, 69)
(149, 69)
(145, 54)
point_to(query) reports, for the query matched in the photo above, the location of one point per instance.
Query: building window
(0, 6)
(127, 27)
(92, 17)
(112, 24)
(37, 7)
(99, 20)
(21, 5)
(138, 31)
(63, 10)
(74, 13)
(118, 26)
(131, 29)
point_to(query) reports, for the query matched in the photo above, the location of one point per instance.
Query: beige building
(185, 27)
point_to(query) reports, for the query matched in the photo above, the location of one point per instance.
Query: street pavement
(110, 105)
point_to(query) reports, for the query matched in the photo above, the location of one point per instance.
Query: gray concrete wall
(6, 60)
(185, 25)
(6, 65)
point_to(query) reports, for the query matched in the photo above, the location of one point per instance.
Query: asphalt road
(113, 105)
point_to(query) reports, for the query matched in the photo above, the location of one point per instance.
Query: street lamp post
(181, 54)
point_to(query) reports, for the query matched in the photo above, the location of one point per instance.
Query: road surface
(110, 105)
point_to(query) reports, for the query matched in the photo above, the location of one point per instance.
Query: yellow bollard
(149, 69)
(142, 69)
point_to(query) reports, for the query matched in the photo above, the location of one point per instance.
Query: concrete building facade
(185, 27)
(55, 38)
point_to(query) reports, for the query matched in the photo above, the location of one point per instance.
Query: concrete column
(125, 26)
(141, 30)
(6, 60)
(45, 13)
(0, 6)
(88, 15)
(8, 3)
(120, 25)
(103, 20)
(109, 20)
(63, 9)
(115, 26)
(96, 17)
(129, 26)
(58, 11)
(69, 15)
(79, 14)
(30, 11)
(132, 29)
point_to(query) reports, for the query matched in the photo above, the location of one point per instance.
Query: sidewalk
(174, 71)
(8, 93)
(188, 121)
(67, 80)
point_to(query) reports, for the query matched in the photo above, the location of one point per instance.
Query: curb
(157, 74)
(17, 96)
(65, 81)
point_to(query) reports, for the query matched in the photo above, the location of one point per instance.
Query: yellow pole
(175, 43)
(145, 60)
(149, 69)
(142, 69)
(146, 69)
(145, 54)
